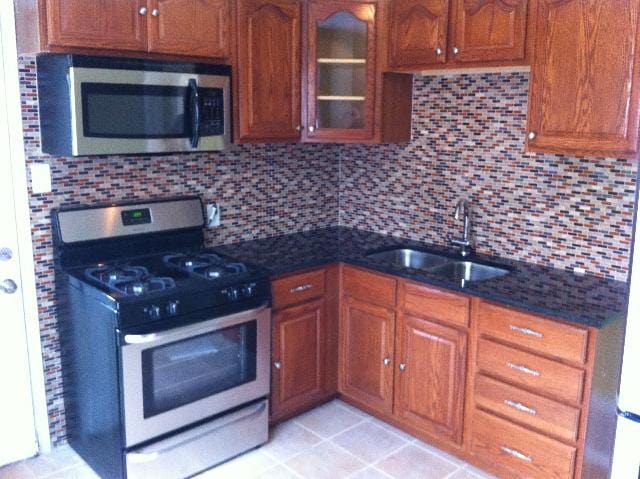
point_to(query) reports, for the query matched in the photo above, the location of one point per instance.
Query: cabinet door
(196, 28)
(298, 357)
(269, 69)
(106, 24)
(585, 78)
(366, 354)
(418, 33)
(341, 71)
(489, 30)
(430, 377)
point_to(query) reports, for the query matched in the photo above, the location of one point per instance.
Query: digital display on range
(136, 217)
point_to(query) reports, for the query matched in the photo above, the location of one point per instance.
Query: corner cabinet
(585, 80)
(312, 71)
(437, 34)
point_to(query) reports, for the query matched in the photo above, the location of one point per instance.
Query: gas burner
(207, 265)
(151, 285)
(110, 275)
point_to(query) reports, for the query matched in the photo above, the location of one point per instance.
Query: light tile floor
(333, 441)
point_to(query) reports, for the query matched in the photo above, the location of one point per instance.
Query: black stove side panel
(92, 399)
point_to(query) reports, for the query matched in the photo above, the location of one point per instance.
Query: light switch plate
(40, 178)
(213, 215)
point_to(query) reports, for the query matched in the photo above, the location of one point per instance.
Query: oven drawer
(202, 447)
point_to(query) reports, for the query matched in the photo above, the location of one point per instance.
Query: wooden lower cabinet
(366, 354)
(429, 386)
(304, 341)
(298, 357)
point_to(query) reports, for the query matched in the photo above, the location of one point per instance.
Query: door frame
(15, 152)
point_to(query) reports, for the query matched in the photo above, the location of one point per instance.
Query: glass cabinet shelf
(340, 98)
(343, 61)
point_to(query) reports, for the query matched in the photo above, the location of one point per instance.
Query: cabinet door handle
(527, 331)
(299, 128)
(143, 11)
(312, 129)
(402, 366)
(532, 135)
(438, 51)
(456, 50)
(301, 288)
(520, 407)
(155, 12)
(523, 369)
(277, 365)
(517, 454)
(386, 361)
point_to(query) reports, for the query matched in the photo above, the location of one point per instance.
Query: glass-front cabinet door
(341, 70)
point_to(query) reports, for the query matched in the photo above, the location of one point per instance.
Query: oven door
(174, 378)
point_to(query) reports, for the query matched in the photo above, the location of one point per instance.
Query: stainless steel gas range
(166, 344)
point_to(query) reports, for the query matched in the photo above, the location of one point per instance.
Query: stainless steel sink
(469, 271)
(411, 258)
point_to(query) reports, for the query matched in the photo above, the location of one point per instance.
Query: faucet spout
(463, 210)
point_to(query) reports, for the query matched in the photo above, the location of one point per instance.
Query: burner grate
(129, 280)
(207, 265)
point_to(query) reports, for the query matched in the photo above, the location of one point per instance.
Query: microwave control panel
(211, 112)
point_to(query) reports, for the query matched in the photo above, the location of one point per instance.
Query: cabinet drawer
(369, 287)
(525, 453)
(530, 409)
(434, 303)
(544, 335)
(542, 375)
(298, 288)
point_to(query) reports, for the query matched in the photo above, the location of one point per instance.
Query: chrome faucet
(465, 244)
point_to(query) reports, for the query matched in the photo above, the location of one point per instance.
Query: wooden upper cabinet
(106, 24)
(341, 70)
(366, 354)
(430, 372)
(585, 78)
(269, 69)
(189, 27)
(418, 32)
(489, 30)
(298, 357)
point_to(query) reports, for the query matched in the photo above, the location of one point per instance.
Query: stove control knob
(248, 290)
(153, 312)
(172, 308)
(233, 294)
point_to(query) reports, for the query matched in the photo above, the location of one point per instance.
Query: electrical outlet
(213, 215)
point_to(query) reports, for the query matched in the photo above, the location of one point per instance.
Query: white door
(17, 428)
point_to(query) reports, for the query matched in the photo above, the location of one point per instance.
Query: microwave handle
(194, 107)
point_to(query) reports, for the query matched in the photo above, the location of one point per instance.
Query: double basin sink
(456, 270)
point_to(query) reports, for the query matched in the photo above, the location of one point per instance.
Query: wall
(264, 191)
(468, 142)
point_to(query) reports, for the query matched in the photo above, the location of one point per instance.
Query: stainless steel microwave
(103, 106)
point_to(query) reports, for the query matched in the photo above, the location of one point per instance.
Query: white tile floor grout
(333, 441)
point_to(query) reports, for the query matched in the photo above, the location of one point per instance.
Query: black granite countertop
(560, 294)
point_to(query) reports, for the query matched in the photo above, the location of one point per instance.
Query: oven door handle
(140, 338)
(152, 452)
(194, 107)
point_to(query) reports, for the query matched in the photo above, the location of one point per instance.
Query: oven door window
(185, 371)
(112, 110)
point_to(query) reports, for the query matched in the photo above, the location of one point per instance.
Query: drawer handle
(520, 407)
(523, 369)
(301, 288)
(516, 454)
(527, 331)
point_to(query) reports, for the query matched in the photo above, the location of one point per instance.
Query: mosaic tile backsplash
(468, 141)
(263, 190)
